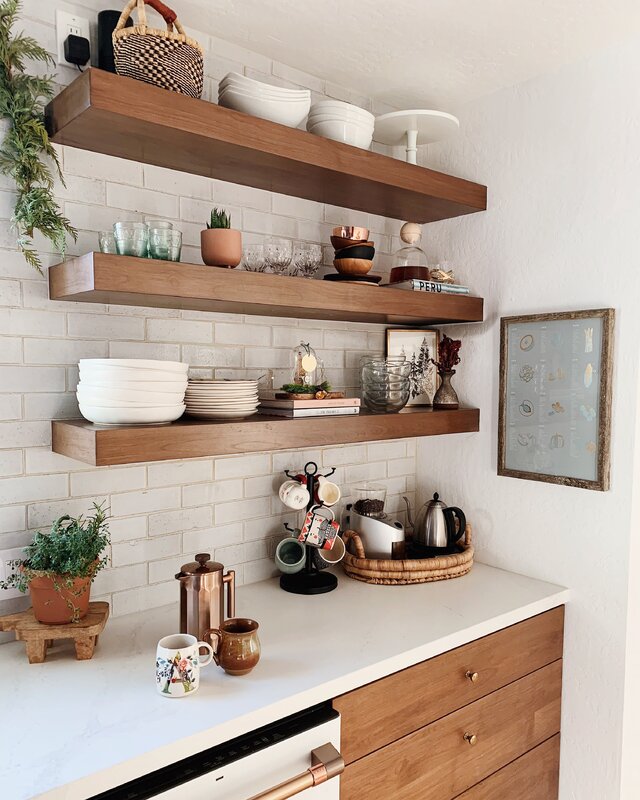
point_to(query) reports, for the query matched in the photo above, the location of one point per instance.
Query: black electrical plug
(77, 50)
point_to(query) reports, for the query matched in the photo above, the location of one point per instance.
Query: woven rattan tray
(399, 572)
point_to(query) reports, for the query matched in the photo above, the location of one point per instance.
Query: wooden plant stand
(38, 637)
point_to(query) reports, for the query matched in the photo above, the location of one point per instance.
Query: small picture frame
(554, 419)
(419, 346)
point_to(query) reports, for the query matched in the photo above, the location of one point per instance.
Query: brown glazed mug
(236, 647)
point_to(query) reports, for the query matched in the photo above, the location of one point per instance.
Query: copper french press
(202, 585)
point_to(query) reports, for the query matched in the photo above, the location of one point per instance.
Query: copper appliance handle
(230, 580)
(326, 763)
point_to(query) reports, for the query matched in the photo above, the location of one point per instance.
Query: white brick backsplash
(10, 463)
(241, 466)
(21, 322)
(211, 538)
(145, 502)
(12, 518)
(61, 351)
(179, 472)
(99, 326)
(183, 519)
(171, 182)
(35, 487)
(10, 406)
(145, 597)
(179, 330)
(141, 550)
(105, 481)
(241, 333)
(117, 580)
(168, 511)
(241, 510)
(217, 491)
(124, 530)
(25, 434)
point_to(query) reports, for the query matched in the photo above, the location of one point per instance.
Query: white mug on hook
(329, 493)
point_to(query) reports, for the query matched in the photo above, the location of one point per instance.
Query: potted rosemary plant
(221, 245)
(59, 567)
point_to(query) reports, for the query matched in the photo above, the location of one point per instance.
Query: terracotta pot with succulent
(26, 154)
(446, 397)
(221, 245)
(59, 567)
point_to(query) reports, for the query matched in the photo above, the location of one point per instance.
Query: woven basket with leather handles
(169, 59)
(391, 572)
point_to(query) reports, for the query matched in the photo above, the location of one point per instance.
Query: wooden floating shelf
(122, 117)
(128, 444)
(124, 280)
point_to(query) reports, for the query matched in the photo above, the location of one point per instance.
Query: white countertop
(71, 729)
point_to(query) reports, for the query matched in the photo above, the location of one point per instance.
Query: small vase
(221, 247)
(445, 397)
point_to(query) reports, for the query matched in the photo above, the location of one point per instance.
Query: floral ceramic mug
(178, 663)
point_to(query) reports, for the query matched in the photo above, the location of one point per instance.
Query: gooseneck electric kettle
(435, 525)
(202, 585)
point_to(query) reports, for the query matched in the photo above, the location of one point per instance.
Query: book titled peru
(417, 285)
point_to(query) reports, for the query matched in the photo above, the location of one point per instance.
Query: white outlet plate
(69, 24)
(5, 570)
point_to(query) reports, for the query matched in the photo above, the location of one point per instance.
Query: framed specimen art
(419, 347)
(554, 419)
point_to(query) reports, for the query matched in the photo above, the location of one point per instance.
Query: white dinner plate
(221, 414)
(134, 363)
(114, 375)
(131, 416)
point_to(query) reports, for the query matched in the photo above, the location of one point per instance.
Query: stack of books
(418, 285)
(310, 408)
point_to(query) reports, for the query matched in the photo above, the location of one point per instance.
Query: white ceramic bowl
(252, 96)
(114, 375)
(345, 132)
(131, 416)
(235, 78)
(331, 106)
(311, 121)
(173, 387)
(272, 94)
(289, 114)
(134, 363)
(117, 395)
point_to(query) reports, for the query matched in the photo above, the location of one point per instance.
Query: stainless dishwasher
(294, 757)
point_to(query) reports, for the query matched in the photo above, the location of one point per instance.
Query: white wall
(560, 157)
(163, 513)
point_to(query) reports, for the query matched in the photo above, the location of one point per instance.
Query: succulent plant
(219, 219)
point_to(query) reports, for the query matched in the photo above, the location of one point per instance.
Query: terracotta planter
(221, 247)
(50, 605)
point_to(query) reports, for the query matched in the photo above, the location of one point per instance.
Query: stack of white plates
(219, 399)
(342, 122)
(120, 391)
(286, 106)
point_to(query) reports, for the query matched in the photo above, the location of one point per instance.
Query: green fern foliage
(26, 154)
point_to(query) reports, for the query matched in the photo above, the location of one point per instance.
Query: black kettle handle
(450, 513)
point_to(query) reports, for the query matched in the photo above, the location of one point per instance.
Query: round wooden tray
(399, 572)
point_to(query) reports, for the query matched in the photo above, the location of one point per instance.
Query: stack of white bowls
(342, 122)
(220, 399)
(121, 391)
(286, 106)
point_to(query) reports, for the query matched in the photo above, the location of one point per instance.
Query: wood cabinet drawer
(381, 712)
(533, 776)
(438, 763)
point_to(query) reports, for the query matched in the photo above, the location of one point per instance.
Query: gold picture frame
(554, 416)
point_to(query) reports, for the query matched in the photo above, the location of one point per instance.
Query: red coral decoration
(448, 352)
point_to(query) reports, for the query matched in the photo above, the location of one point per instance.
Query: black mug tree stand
(310, 580)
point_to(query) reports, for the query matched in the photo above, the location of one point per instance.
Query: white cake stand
(412, 128)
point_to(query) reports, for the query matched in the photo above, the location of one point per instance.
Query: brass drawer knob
(470, 738)
(473, 676)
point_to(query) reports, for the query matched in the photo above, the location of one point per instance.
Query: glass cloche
(410, 261)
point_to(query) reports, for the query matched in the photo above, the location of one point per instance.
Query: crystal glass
(159, 224)
(278, 253)
(107, 242)
(132, 238)
(307, 259)
(385, 384)
(165, 244)
(253, 258)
